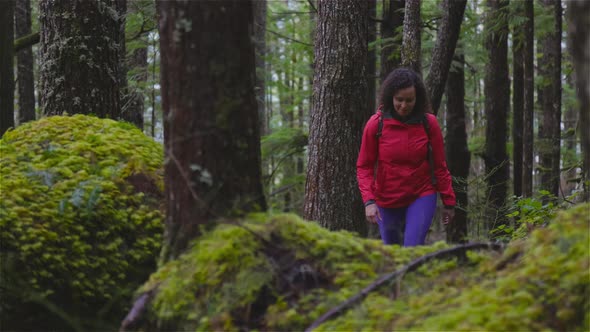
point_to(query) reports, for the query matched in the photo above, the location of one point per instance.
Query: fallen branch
(137, 312)
(415, 264)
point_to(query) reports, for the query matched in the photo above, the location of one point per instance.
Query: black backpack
(429, 153)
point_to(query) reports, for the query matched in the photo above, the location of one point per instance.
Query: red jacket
(403, 171)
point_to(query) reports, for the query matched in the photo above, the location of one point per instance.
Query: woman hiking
(401, 164)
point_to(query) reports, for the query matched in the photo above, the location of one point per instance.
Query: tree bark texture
(24, 60)
(457, 151)
(79, 57)
(550, 125)
(497, 103)
(412, 42)
(579, 44)
(442, 55)
(391, 35)
(259, 8)
(211, 134)
(6, 65)
(340, 96)
(517, 103)
(528, 117)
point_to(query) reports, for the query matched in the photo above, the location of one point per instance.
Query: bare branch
(457, 251)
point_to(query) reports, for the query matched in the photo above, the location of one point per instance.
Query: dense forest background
(260, 105)
(505, 95)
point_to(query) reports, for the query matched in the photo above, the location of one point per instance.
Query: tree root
(458, 251)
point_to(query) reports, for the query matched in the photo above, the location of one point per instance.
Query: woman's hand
(448, 214)
(372, 213)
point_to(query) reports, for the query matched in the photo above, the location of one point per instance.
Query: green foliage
(79, 216)
(529, 213)
(281, 273)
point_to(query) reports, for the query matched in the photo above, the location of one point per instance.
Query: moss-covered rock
(281, 273)
(80, 219)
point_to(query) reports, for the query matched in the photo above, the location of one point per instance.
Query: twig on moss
(412, 266)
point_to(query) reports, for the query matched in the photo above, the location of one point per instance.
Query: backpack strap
(430, 155)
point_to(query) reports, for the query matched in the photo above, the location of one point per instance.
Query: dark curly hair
(402, 78)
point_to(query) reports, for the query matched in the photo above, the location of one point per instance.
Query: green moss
(293, 271)
(79, 213)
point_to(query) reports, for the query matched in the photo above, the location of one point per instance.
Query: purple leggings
(417, 216)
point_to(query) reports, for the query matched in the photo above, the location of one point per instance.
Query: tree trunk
(138, 62)
(211, 134)
(339, 92)
(393, 21)
(570, 155)
(412, 43)
(579, 44)
(517, 103)
(497, 103)
(6, 66)
(529, 100)
(372, 59)
(550, 125)
(442, 55)
(24, 59)
(457, 151)
(259, 8)
(79, 57)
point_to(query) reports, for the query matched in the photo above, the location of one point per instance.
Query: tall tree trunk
(372, 58)
(80, 57)
(393, 21)
(579, 44)
(412, 42)
(497, 103)
(517, 103)
(457, 151)
(129, 110)
(446, 40)
(138, 62)
(570, 155)
(529, 100)
(550, 125)
(24, 59)
(259, 8)
(211, 134)
(339, 92)
(6, 65)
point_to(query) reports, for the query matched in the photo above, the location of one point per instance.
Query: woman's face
(404, 101)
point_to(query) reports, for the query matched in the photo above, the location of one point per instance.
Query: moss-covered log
(293, 271)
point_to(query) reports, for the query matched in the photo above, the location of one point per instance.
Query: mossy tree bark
(457, 151)
(79, 57)
(529, 99)
(579, 43)
(517, 102)
(211, 134)
(24, 59)
(550, 125)
(412, 42)
(393, 21)
(442, 55)
(497, 103)
(340, 98)
(6, 68)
